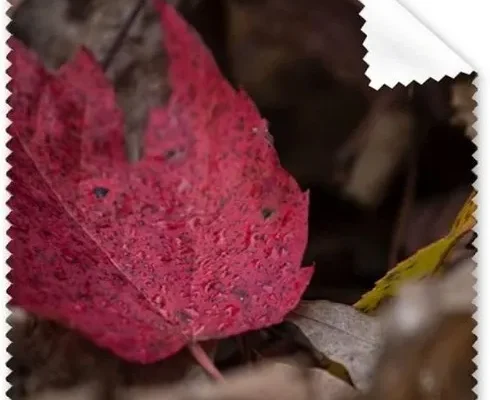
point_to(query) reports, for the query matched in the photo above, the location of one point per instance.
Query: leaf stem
(204, 361)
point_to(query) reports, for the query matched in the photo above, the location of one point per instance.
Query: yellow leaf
(424, 263)
(465, 221)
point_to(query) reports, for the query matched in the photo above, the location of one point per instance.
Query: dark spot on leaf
(100, 192)
(170, 154)
(267, 212)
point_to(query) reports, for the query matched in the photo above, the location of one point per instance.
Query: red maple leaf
(203, 238)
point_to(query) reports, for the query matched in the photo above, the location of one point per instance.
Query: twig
(122, 35)
(204, 361)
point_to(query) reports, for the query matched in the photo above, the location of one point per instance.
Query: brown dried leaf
(342, 334)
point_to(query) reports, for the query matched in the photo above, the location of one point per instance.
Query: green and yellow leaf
(426, 262)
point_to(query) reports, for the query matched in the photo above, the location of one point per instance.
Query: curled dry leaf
(343, 334)
(203, 238)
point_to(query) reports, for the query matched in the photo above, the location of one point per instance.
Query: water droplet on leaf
(267, 288)
(283, 251)
(159, 300)
(231, 310)
(272, 298)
